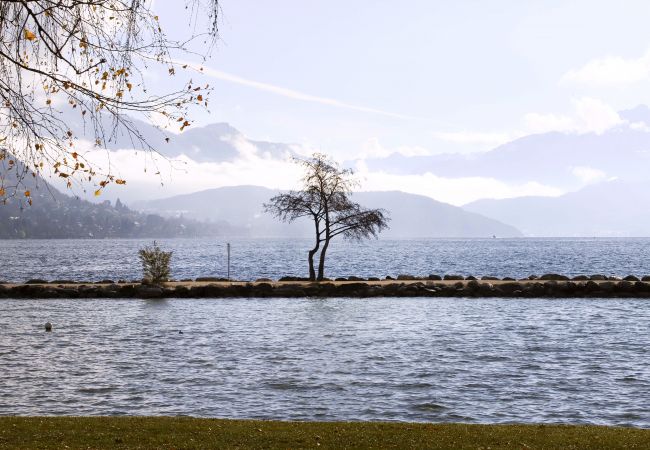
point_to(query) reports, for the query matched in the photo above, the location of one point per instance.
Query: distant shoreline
(548, 286)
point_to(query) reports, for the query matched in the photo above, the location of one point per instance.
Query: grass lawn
(180, 433)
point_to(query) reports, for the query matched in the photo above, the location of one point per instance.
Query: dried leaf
(29, 35)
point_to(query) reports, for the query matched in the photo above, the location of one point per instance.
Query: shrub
(155, 263)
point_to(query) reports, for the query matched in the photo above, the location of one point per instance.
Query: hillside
(56, 215)
(412, 215)
(614, 208)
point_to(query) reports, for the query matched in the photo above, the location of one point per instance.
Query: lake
(406, 359)
(93, 260)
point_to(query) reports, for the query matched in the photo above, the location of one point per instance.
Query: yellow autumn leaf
(29, 35)
(98, 193)
(28, 193)
(118, 181)
(2, 192)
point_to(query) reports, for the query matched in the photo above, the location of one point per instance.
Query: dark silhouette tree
(325, 199)
(88, 58)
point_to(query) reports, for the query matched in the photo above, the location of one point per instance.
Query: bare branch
(61, 58)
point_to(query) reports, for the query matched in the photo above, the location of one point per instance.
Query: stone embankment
(546, 286)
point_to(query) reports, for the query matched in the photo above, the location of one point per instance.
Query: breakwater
(545, 286)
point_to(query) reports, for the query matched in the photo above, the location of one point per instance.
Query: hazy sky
(366, 78)
(429, 75)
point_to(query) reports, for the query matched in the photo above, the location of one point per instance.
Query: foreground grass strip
(181, 433)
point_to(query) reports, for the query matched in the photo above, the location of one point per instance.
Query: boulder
(607, 286)
(404, 277)
(289, 290)
(36, 281)
(471, 278)
(293, 279)
(631, 278)
(624, 286)
(434, 277)
(645, 278)
(453, 277)
(264, 280)
(340, 279)
(580, 278)
(353, 278)
(592, 286)
(598, 277)
(640, 286)
(509, 287)
(181, 291)
(149, 292)
(373, 279)
(489, 278)
(211, 279)
(554, 277)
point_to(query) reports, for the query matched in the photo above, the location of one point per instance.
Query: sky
(371, 77)
(444, 76)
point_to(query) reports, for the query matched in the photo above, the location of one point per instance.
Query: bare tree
(88, 57)
(325, 199)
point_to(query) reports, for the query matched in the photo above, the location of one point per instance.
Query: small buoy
(48, 326)
(180, 331)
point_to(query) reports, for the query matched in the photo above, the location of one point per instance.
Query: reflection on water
(408, 359)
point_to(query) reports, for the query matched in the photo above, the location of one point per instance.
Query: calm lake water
(253, 258)
(408, 359)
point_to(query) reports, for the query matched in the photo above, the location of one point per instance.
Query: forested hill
(56, 215)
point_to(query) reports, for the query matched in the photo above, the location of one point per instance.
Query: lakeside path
(381, 288)
(177, 432)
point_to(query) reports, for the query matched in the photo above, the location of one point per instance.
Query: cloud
(373, 149)
(476, 138)
(290, 93)
(610, 71)
(457, 191)
(589, 175)
(253, 167)
(589, 116)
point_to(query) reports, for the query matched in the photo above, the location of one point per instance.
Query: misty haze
(233, 224)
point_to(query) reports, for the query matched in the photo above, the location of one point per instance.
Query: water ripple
(470, 360)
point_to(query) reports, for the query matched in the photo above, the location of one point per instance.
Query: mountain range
(412, 216)
(53, 214)
(614, 208)
(563, 160)
(604, 175)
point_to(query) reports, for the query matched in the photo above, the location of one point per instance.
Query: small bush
(155, 263)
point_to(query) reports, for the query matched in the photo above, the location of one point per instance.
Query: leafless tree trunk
(325, 200)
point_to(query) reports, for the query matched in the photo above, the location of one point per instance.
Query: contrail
(290, 93)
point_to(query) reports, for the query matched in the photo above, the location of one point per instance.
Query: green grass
(185, 433)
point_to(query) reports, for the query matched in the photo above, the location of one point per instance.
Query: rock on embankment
(546, 286)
